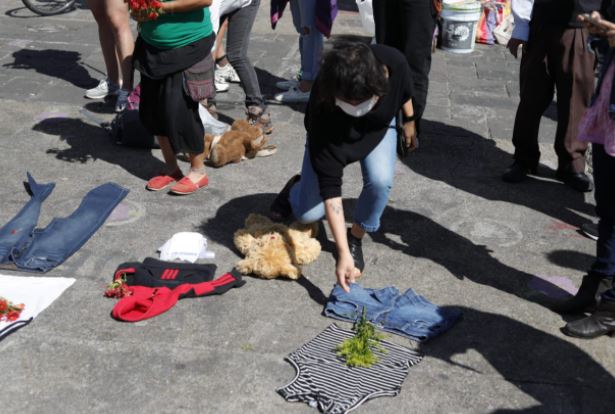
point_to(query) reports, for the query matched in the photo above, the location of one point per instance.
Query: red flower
(12, 315)
(152, 15)
(3, 305)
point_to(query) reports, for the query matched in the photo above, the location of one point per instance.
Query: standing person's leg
(536, 93)
(110, 85)
(603, 320)
(419, 19)
(311, 51)
(573, 66)
(117, 12)
(240, 25)
(389, 23)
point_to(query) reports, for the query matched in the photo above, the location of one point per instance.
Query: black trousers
(554, 59)
(604, 178)
(408, 25)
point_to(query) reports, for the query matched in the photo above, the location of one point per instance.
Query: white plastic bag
(212, 125)
(367, 16)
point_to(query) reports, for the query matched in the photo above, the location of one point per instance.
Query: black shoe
(517, 173)
(356, 250)
(602, 322)
(280, 208)
(576, 180)
(587, 296)
(590, 230)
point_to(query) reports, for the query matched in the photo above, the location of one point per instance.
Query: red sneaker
(186, 186)
(161, 182)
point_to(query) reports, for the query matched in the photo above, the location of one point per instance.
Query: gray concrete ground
(452, 231)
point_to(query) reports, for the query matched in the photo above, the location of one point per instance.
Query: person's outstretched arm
(345, 269)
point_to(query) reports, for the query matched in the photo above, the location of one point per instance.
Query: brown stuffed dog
(241, 142)
(272, 249)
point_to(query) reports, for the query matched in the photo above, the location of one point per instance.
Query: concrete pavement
(452, 231)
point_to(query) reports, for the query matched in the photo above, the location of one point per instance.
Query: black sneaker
(517, 173)
(281, 209)
(356, 250)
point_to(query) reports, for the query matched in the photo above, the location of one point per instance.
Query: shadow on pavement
(571, 259)
(61, 64)
(91, 143)
(472, 163)
(422, 237)
(419, 235)
(558, 375)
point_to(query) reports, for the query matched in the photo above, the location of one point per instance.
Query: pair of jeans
(409, 25)
(409, 315)
(240, 24)
(40, 250)
(378, 169)
(310, 39)
(604, 179)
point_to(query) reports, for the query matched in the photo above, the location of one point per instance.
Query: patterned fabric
(596, 125)
(324, 381)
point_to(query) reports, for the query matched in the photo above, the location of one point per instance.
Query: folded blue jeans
(39, 250)
(409, 315)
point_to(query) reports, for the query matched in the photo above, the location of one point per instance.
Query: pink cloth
(596, 125)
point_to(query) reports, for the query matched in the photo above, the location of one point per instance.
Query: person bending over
(351, 117)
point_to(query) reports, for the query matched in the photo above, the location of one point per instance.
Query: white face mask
(357, 110)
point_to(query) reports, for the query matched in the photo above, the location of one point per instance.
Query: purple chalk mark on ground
(126, 212)
(556, 287)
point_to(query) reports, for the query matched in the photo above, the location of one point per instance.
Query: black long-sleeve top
(336, 139)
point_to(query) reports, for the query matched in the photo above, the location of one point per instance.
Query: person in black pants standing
(409, 25)
(556, 57)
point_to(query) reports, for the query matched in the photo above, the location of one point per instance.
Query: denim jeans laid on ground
(408, 315)
(378, 169)
(31, 249)
(604, 180)
(240, 24)
(310, 39)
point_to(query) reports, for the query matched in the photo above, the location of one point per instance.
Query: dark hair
(351, 71)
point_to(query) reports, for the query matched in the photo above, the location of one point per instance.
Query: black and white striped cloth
(324, 381)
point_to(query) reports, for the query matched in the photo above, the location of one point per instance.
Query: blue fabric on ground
(408, 314)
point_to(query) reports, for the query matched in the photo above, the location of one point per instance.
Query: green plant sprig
(358, 351)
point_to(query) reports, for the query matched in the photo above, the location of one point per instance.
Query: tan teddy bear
(242, 141)
(273, 249)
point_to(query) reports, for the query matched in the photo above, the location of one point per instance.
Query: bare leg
(105, 36)
(168, 154)
(197, 167)
(117, 12)
(220, 51)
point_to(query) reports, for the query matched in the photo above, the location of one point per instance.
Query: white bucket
(459, 26)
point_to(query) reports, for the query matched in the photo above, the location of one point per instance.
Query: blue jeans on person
(43, 249)
(310, 39)
(409, 315)
(378, 169)
(604, 180)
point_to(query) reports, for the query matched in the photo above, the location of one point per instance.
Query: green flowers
(358, 351)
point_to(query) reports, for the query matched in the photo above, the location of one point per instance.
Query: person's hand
(514, 45)
(345, 271)
(410, 138)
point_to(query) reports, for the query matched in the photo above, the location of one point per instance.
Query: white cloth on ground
(36, 293)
